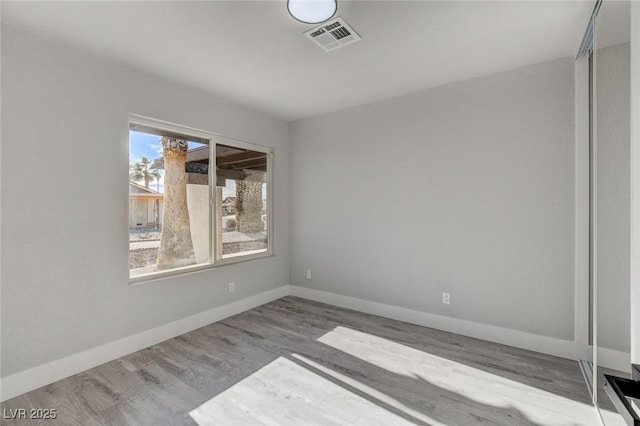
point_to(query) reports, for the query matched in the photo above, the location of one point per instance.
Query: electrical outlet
(446, 298)
(232, 287)
(308, 274)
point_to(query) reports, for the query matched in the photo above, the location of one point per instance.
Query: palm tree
(141, 170)
(249, 206)
(156, 175)
(176, 245)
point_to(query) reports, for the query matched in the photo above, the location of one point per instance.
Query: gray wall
(613, 85)
(466, 188)
(64, 202)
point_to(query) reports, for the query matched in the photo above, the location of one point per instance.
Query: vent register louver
(333, 35)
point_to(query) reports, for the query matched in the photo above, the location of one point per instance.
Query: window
(196, 200)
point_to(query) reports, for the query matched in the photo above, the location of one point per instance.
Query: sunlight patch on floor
(537, 405)
(284, 393)
(612, 418)
(371, 392)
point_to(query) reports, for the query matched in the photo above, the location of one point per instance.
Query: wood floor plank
(294, 361)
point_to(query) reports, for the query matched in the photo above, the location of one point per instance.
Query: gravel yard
(144, 234)
(144, 244)
(142, 255)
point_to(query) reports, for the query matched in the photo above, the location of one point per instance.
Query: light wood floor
(293, 361)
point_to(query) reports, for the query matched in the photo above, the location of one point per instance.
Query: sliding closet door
(610, 193)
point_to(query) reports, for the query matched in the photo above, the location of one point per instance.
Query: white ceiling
(256, 54)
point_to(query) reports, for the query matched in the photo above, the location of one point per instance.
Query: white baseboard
(505, 336)
(608, 358)
(36, 377)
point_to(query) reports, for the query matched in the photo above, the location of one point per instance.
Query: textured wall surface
(64, 220)
(466, 188)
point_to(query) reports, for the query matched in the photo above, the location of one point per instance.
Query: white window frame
(213, 140)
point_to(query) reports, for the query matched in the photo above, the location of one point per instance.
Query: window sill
(188, 270)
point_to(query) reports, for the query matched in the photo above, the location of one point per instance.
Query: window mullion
(213, 204)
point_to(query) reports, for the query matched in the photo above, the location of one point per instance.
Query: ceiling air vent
(333, 35)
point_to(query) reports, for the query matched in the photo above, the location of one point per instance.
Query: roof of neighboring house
(229, 200)
(137, 187)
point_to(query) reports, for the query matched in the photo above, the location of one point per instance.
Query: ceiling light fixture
(312, 11)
